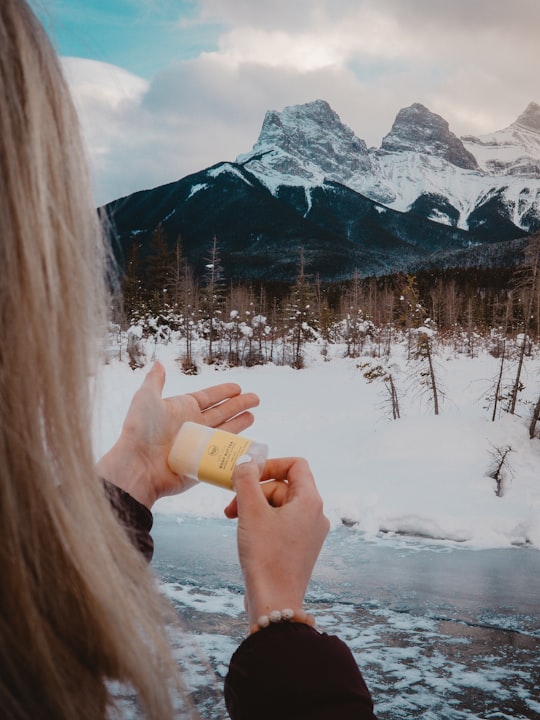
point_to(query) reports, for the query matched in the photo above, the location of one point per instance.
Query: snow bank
(422, 475)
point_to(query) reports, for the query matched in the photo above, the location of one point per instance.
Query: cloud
(462, 15)
(190, 116)
(473, 63)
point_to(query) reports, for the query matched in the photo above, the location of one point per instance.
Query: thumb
(246, 477)
(155, 378)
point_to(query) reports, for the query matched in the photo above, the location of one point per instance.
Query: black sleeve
(292, 672)
(135, 517)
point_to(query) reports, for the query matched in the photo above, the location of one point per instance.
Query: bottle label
(220, 457)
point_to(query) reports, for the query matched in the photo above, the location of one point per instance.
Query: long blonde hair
(78, 606)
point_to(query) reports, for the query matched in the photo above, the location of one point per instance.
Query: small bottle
(209, 455)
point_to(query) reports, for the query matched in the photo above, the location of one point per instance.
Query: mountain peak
(307, 141)
(530, 118)
(319, 109)
(313, 122)
(419, 130)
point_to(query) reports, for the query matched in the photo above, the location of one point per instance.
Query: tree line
(243, 322)
(218, 322)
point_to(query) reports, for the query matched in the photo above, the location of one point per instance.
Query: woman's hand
(137, 462)
(281, 529)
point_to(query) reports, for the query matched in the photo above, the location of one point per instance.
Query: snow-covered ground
(440, 625)
(421, 475)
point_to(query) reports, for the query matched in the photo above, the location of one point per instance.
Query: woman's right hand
(281, 530)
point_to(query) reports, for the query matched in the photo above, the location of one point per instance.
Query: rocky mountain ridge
(421, 164)
(418, 130)
(424, 199)
(514, 151)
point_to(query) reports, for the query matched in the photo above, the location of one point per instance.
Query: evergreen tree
(159, 268)
(355, 325)
(133, 293)
(177, 275)
(188, 316)
(299, 318)
(213, 297)
(410, 311)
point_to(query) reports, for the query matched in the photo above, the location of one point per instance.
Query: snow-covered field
(421, 475)
(441, 625)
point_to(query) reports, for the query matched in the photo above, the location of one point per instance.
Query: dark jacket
(288, 671)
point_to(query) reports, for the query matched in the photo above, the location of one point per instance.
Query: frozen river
(440, 632)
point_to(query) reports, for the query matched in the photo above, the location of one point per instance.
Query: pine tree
(299, 314)
(188, 297)
(133, 294)
(177, 275)
(411, 313)
(355, 326)
(159, 268)
(377, 371)
(213, 297)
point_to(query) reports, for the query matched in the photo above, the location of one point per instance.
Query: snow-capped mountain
(425, 199)
(512, 151)
(486, 184)
(307, 144)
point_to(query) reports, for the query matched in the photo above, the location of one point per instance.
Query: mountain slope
(260, 234)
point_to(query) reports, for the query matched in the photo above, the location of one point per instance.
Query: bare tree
(498, 386)
(534, 419)
(499, 468)
(528, 281)
(135, 350)
(424, 354)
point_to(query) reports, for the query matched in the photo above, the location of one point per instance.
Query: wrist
(119, 468)
(287, 615)
(265, 604)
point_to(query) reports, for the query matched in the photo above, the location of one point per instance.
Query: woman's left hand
(137, 462)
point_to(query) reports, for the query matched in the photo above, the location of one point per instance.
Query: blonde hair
(78, 606)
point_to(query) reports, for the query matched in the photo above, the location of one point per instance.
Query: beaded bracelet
(279, 616)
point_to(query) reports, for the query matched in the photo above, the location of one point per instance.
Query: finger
(207, 397)
(276, 470)
(295, 470)
(249, 498)
(228, 410)
(231, 510)
(276, 494)
(155, 378)
(239, 423)
(300, 480)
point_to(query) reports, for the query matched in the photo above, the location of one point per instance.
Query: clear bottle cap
(210, 455)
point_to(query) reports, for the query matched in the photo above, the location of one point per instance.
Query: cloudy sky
(168, 87)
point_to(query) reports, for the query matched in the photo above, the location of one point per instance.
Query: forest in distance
(212, 321)
(161, 291)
